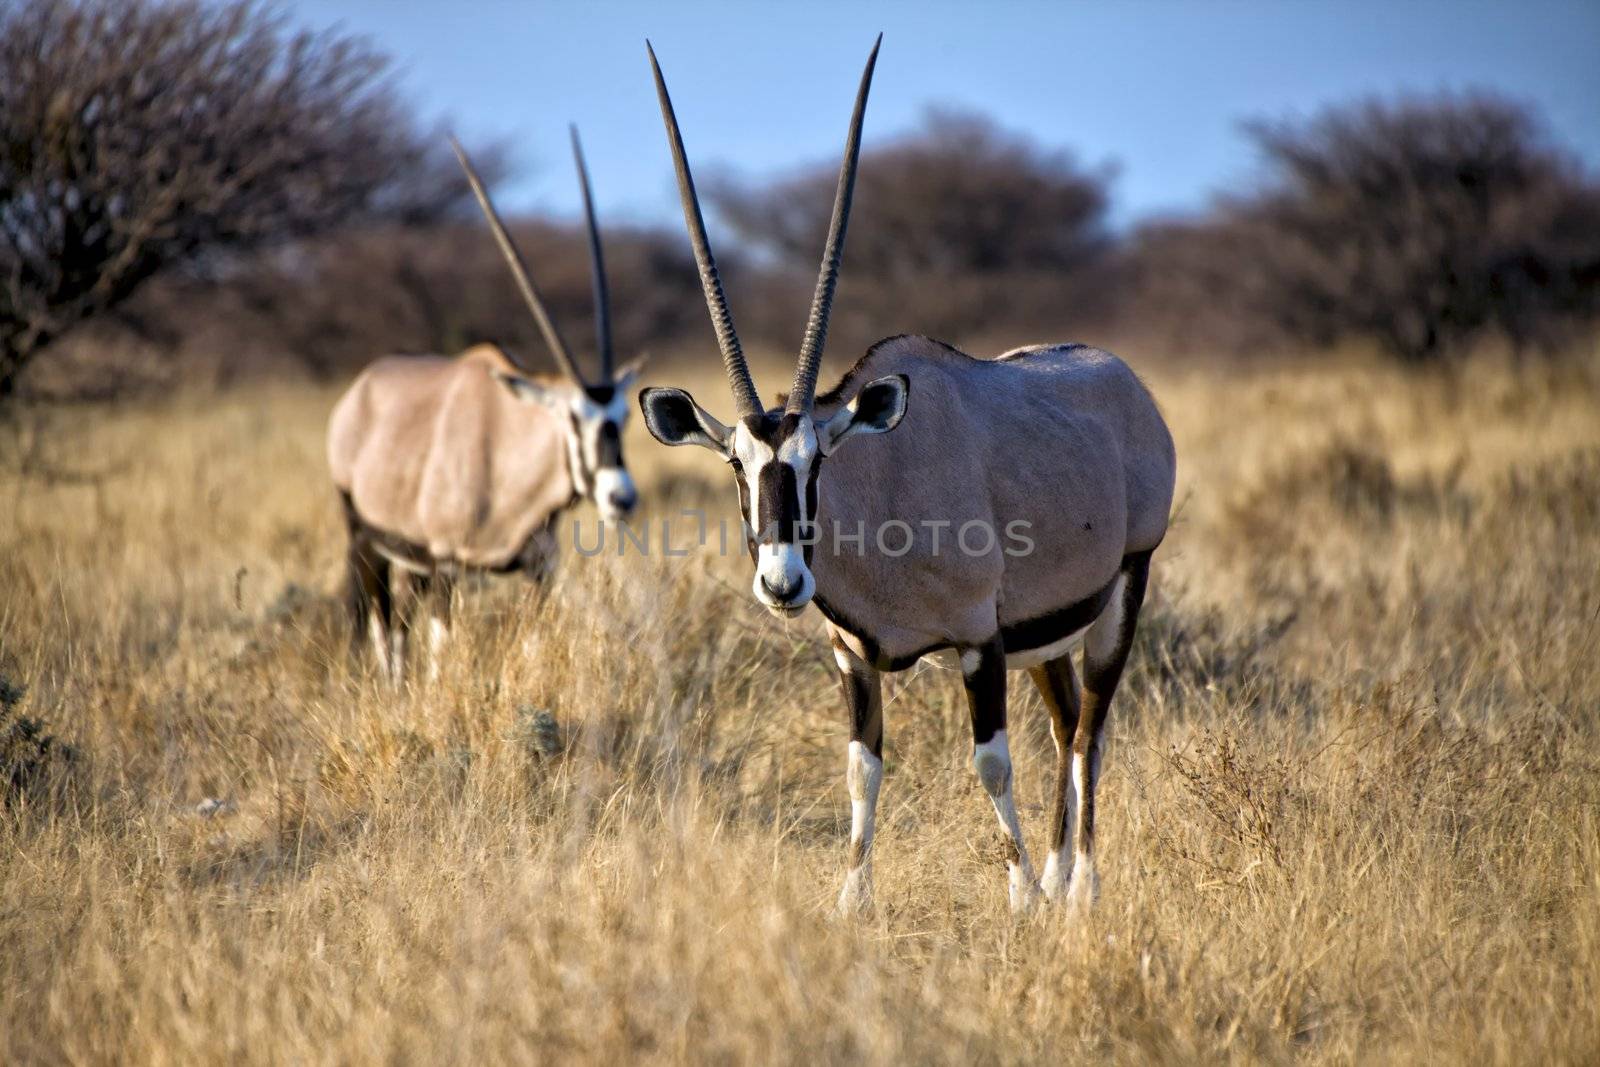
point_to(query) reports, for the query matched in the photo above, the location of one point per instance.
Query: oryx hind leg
(369, 601)
(1105, 652)
(1058, 685)
(983, 671)
(863, 694)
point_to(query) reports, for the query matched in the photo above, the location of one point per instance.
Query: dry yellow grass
(1351, 809)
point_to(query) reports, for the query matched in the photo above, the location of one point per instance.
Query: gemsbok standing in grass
(1011, 513)
(459, 463)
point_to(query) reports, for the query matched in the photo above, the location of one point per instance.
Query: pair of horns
(525, 282)
(803, 394)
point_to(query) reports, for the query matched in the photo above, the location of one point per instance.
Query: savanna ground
(1351, 807)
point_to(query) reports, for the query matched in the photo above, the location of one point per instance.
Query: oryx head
(593, 413)
(775, 455)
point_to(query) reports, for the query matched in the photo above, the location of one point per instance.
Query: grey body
(1064, 439)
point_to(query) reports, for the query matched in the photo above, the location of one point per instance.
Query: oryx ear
(878, 408)
(531, 392)
(673, 418)
(630, 372)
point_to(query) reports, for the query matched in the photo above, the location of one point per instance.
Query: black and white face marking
(598, 415)
(776, 459)
(595, 417)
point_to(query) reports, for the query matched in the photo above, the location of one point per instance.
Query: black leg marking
(985, 681)
(863, 696)
(983, 669)
(369, 592)
(1104, 656)
(367, 578)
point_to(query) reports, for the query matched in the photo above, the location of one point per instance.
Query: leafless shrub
(342, 302)
(959, 228)
(1242, 796)
(330, 306)
(1423, 226)
(136, 136)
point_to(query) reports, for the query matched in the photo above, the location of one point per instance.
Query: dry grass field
(1351, 809)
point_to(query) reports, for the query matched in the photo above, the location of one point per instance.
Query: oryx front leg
(983, 669)
(863, 694)
(1105, 652)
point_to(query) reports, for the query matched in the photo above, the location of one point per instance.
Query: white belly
(947, 659)
(1016, 661)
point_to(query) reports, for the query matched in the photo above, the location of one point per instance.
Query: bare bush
(333, 305)
(1422, 225)
(959, 228)
(139, 135)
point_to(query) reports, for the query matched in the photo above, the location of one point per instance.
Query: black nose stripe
(780, 502)
(608, 450)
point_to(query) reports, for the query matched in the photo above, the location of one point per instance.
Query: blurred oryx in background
(447, 463)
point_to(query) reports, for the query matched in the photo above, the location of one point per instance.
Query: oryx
(1011, 512)
(465, 462)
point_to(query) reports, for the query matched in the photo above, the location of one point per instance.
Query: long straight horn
(597, 266)
(805, 375)
(519, 270)
(745, 397)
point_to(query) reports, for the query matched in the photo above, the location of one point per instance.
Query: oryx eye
(733, 461)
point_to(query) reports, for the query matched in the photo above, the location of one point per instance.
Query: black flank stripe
(1052, 626)
(1019, 636)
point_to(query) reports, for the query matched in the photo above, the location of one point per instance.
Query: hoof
(855, 899)
(1055, 882)
(1083, 892)
(1024, 893)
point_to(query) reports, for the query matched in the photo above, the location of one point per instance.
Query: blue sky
(1157, 88)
